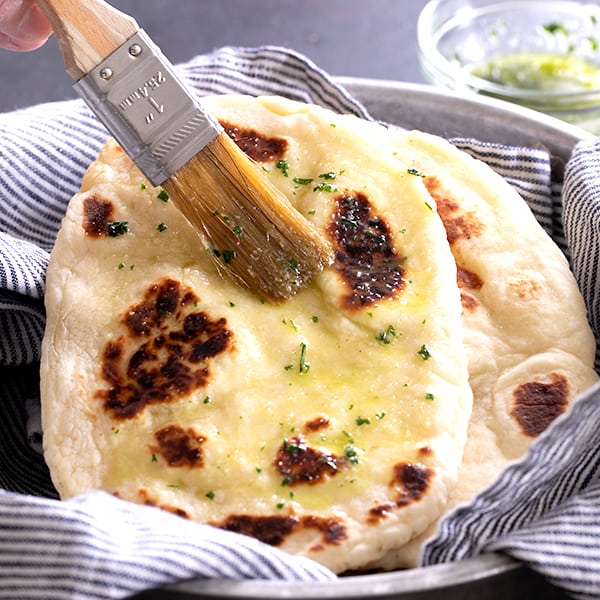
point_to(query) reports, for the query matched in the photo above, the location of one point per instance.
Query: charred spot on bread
(97, 214)
(164, 355)
(458, 225)
(274, 529)
(410, 482)
(467, 279)
(146, 498)
(538, 403)
(179, 446)
(297, 462)
(469, 303)
(365, 255)
(258, 146)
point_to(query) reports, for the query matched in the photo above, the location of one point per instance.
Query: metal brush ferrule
(144, 104)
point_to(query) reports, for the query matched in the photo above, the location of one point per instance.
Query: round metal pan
(488, 577)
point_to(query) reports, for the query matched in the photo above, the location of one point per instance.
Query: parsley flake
(283, 166)
(555, 28)
(424, 352)
(325, 187)
(329, 176)
(303, 180)
(303, 365)
(385, 337)
(116, 228)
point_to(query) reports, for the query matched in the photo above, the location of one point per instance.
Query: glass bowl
(540, 54)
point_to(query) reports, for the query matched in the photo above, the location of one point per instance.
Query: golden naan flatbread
(530, 347)
(332, 425)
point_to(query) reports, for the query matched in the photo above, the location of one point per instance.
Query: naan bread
(332, 425)
(530, 347)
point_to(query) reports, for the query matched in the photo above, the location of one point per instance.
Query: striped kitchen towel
(96, 546)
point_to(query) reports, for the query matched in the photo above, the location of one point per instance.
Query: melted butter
(374, 393)
(373, 416)
(543, 71)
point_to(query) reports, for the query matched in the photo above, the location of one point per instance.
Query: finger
(22, 25)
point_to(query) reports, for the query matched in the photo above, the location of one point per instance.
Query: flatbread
(529, 344)
(332, 425)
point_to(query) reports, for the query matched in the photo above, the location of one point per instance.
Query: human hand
(22, 25)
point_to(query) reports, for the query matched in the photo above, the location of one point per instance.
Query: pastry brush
(249, 227)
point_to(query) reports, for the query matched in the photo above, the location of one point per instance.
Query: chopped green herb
(154, 459)
(350, 223)
(380, 415)
(280, 505)
(424, 352)
(362, 421)
(162, 227)
(162, 195)
(352, 453)
(303, 180)
(292, 264)
(555, 28)
(289, 367)
(415, 172)
(329, 176)
(121, 265)
(303, 365)
(385, 337)
(429, 396)
(283, 166)
(315, 319)
(228, 256)
(143, 186)
(237, 230)
(210, 495)
(206, 400)
(291, 323)
(293, 448)
(116, 228)
(325, 187)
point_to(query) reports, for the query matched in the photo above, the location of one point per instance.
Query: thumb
(22, 25)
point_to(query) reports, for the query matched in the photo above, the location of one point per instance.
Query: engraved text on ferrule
(143, 92)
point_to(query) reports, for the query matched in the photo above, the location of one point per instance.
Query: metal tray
(489, 577)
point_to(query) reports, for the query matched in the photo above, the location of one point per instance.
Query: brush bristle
(251, 228)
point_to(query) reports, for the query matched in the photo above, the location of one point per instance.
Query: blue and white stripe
(96, 546)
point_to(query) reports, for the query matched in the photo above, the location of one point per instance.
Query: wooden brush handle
(87, 31)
